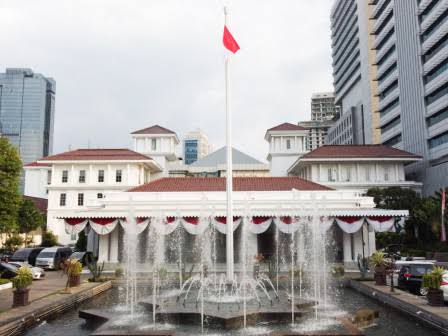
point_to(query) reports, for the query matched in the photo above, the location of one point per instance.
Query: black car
(83, 257)
(28, 254)
(410, 276)
(5, 255)
(7, 271)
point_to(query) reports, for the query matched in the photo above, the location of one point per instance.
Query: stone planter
(74, 280)
(20, 297)
(435, 297)
(380, 276)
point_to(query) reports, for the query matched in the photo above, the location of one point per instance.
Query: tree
(48, 239)
(13, 242)
(81, 243)
(29, 218)
(10, 170)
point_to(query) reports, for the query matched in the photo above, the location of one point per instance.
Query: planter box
(380, 277)
(20, 297)
(74, 281)
(6, 286)
(435, 297)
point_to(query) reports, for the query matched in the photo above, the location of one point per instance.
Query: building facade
(411, 41)
(195, 146)
(27, 107)
(287, 142)
(359, 167)
(353, 69)
(323, 107)
(317, 132)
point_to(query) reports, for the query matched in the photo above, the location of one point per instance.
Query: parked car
(38, 273)
(411, 274)
(83, 257)
(7, 271)
(444, 285)
(28, 255)
(5, 255)
(52, 257)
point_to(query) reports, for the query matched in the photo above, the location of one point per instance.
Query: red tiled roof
(156, 129)
(287, 127)
(40, 203)
(96, 154)
(199, 184)
(37, 164)
(358, 151)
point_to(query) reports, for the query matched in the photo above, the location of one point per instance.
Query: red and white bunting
(259, 225)
(325, 223)
(140, 223)
(195, 225)
(220, 223)
(103, 226)
(381, 223)
(166, 225)
(286, 224)
(350, 224)
(75, 225)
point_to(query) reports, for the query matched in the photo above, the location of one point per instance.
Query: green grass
(4, 281)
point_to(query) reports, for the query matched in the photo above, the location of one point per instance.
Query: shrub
(48, 239)
(23, 279)
(433, 279)
(378, 259)
(4, 281)
(13, 242)
(119, 272)
(95, 270)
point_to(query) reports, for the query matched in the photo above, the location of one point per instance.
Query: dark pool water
(390, 322)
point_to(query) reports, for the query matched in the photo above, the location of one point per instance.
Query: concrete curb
(47, 308)
(426, 317)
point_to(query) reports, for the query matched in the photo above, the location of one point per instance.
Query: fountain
(289, 294)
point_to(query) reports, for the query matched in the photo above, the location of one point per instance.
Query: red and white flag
(229, 42)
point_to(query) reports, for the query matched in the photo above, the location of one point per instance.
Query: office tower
(411, 42)
(27, 104)
(354, 74)
(323, 107)
(195, 146)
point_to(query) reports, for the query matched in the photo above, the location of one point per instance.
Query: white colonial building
(359, 167)
(287, 142)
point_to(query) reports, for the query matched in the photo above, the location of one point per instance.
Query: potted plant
(258, 259)
(20, 282)
(72, 268)
(432, 281)
(379, 264)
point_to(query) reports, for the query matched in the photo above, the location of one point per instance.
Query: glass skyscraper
(27, 103)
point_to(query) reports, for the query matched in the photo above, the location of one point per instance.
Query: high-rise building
(27, 104)
(317, 132)
(353, 73)
(411, 42)
(195, 146)
(323, 107)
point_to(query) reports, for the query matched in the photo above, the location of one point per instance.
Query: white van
(51, 257)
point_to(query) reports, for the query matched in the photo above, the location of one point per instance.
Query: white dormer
(287, 142)
(157, 142)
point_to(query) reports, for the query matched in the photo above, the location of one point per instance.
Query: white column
(376, 173)
(108, 178)
(71, 179)
(128, 174)
(114, 245)
(103, 248)
(357, 173)
(90, 179)
(347, 249)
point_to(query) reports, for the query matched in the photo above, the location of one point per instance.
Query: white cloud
(124, 65)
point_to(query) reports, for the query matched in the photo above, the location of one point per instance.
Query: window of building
(393, 141)
(64, 176)
(386, 173)
(62, 199)
(436, 24)
(153, 144)
(80, 199)
(438, 117)
(82, 176)
(437, 94)
(288, 144)
(440, 139)
(99, 195)
(118, 175)
(48, 176)
(100, 175)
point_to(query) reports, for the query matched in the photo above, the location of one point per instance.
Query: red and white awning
(140, 223)
(259, 225)
(220, 223)
(195, 225)
(103, 226)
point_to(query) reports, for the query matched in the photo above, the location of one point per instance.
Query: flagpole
(229, 175)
